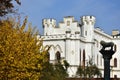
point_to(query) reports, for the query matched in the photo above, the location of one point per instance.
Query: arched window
(97, 59)
(80, 57)
(101, 61)
(84, 57)
(86, 33)
(58, 56)
(115, 62)
(48, 56)
(115, 47)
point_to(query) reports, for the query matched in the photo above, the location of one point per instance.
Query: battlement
(69, 18)
(48, 22)
(88, 20)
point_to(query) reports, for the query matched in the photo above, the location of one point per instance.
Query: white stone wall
(71, 38)
(50, 27)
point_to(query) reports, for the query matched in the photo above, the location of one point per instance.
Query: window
(84, 57)
(86, 33)
(48, 56)
(97, 59)
(58, 56)
(115, 76)
(115, 47)
(80, 57)
(68, 23)
(115, 62)
(101, 61)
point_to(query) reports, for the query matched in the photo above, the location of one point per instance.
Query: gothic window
(80, 57)
(115, 62)
(97, 59)
(68, 23)
(115, 76)
(58, 56)
(48, 56)
(115, 47)
(84, 57)
(101, 63)
(86, 33)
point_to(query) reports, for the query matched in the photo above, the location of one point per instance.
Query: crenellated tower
(49, 25)
(87, 28)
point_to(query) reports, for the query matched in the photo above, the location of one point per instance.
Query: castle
(76, 41)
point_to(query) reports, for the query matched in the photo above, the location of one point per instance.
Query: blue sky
(107, 12)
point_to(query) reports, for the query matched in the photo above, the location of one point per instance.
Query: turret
(88, 20)
(48, 25)
(49, 22)
(87, 28)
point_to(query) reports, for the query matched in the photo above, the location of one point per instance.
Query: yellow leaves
(20, 52)
(23, 25)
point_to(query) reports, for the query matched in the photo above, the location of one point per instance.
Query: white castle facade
(76, 41)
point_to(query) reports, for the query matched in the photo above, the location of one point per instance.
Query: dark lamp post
(107, 55)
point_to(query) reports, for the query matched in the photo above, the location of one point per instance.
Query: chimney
(115, 32)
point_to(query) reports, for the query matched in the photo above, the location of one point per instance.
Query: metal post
(107, 55)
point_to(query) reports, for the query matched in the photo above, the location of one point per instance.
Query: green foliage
(60, 71)
(53, 72)
(80, 71)
(20, 55)
(66, 64)
(88, 71)
(92, 69)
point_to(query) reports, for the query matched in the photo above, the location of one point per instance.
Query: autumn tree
(7, 6)
(22, 55)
